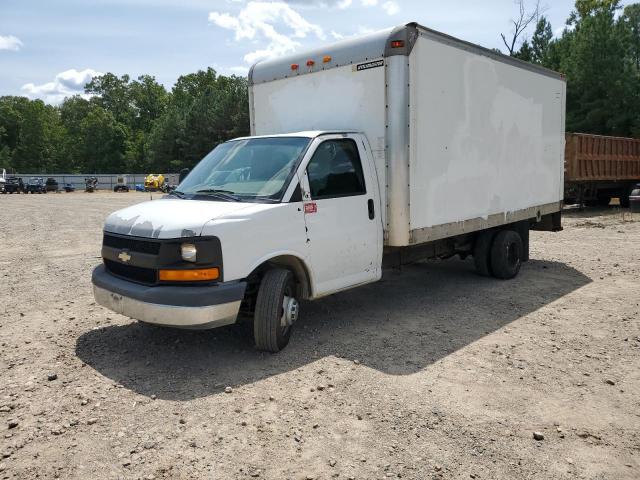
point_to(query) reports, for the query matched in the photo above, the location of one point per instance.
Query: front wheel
(276, 310)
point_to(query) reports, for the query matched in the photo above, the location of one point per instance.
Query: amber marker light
(196, 275)
(326, 59)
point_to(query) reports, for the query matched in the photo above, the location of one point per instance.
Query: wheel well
(521, 228)
(295, 265)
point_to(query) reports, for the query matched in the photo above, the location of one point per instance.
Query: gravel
(433, 372)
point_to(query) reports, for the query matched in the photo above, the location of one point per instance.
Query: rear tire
(269, 332)
(506, 254)
(482, 252)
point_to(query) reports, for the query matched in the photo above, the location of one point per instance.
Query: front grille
(137, 274)
(132, 244)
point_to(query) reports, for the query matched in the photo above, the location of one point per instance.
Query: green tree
(630, 23)
(600, 83)
(114, 95)
(525, 53)
(540, 41)
(104, 142)
(204, 109)
(38, 136)
(73, 111)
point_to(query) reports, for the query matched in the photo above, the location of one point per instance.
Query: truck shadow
(397, 326)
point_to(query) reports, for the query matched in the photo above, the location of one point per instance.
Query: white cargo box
(463, 138)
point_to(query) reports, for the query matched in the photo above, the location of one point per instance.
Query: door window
(335, 170)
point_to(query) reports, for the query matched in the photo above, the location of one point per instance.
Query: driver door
(342, 217)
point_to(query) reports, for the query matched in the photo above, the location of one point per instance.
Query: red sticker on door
(310, 207)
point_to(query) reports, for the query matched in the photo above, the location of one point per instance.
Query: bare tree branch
(520, 24)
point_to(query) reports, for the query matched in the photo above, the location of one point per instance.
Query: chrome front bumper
(181, 306)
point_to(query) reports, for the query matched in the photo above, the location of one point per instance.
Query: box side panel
(487, 139)
(343, 98)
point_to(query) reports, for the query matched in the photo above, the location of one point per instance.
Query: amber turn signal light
(196, 275)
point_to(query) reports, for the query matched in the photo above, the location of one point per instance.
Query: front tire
(506, 254)
(273, 318)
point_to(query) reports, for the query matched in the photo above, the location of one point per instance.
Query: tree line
(599, 54)
(125, 125)
(138, 126)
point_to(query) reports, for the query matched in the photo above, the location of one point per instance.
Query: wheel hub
(290, 308)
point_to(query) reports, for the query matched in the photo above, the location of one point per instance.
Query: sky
(50, 48)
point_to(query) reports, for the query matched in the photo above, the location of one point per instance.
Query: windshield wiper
(177, 193)
(225, 194)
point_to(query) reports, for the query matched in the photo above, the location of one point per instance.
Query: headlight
(189, 252)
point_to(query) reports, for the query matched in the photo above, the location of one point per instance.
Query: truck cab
(191, 259)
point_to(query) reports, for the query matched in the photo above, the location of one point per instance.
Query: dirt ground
(433, 372)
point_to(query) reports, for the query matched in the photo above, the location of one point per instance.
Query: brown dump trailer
(598, 168)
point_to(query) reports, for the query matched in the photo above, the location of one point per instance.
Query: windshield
(255, 168)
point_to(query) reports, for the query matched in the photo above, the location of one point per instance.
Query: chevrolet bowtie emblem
(124, 256)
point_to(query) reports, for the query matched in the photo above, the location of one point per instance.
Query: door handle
(372, 211)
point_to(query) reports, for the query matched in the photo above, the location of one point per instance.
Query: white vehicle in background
(398, 146)
(121, 184)
(3, 180)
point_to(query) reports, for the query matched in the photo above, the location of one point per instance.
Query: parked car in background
(121, 184)
(13, 185)
(51, 185)
(68, 187)
(36, 185)
(3, 179)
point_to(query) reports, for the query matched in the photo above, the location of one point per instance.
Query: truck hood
(170, 218)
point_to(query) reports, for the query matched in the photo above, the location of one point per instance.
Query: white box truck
(401, 145)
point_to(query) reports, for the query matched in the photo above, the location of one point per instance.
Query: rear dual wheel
(498, 254)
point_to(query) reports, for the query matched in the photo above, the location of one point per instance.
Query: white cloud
(342, 4)
(239, 70)
(10, 42)
(391, 7)
(264, 22)
(363, 30)
(67, 83)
